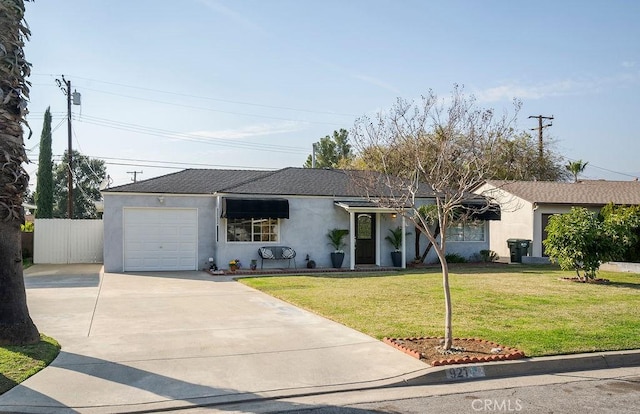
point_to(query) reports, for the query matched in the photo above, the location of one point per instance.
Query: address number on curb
(465, 372)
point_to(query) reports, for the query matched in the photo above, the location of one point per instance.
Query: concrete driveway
(152, 341)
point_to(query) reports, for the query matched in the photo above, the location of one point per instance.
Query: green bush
(27, 227)
(486, 256)
(455, 258)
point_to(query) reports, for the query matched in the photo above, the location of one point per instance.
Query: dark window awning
(255, 208)
(482, 211)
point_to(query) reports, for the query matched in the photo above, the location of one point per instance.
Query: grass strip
(525, 307)
(17, 363)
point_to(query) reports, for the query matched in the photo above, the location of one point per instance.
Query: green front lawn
(525, 307)
(17, 363)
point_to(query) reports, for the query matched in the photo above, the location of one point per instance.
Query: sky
(252, 84)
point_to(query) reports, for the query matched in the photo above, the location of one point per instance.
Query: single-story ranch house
(181, 220)
(527, 205)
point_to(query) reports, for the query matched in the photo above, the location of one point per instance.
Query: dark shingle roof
(287, 181)
(597, 192)
(301, 181)
(191, 182)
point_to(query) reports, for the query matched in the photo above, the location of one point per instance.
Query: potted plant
(234, 265)
(335, 237)
(395, 238)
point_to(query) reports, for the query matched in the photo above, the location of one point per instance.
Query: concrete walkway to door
(152, 341)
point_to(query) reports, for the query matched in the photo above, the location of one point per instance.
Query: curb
(434, 376)
(528, 366)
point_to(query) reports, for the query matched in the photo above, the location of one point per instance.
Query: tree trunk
(448, 313)
(436, 233)
(448, 326)
(16, 326)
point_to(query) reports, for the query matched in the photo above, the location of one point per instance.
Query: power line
(223, 166)
(213, 99)
(189, 137)
(136, 162)
(603, 169)
(211, 109)
(86, 158)
(210, 98)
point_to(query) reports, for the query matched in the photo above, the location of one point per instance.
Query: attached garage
(160, 239)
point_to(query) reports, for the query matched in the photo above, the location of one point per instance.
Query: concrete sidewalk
(151, 341)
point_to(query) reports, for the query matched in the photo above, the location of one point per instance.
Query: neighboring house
(179, 221)
(527, 205)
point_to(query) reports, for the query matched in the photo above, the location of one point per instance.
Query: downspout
(352, 236)
(533, 230)
(378, 237)
(216, 240)
(404, 243)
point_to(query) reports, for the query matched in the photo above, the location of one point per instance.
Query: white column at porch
(352, 238)
(404, 242)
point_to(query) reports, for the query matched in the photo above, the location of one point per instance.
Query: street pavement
(191, 341)
(614, 391)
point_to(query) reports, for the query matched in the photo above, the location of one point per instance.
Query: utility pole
(135, 175)
(66, 89)
(539, 128)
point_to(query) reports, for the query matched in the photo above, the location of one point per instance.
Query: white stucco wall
(466, 249)
(520, 219)
(305, 231)
(310, 219)
(516, 221)
(114, 204)
(537, 221)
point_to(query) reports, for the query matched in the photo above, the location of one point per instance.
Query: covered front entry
(364, 231)
(365, 238)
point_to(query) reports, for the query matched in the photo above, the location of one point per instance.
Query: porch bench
(277, 253)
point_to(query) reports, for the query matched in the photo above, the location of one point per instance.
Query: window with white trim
(256, 230)
(469, 231)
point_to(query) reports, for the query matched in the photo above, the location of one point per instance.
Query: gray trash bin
(518, 248)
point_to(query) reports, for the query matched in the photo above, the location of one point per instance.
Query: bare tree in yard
(16, 326)
(450, 146)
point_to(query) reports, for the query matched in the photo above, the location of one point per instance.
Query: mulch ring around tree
(464, 351)
(581, 280)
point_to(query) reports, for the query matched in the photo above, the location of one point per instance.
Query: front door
(365, 238)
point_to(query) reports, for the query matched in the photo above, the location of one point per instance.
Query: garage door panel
(160, 239)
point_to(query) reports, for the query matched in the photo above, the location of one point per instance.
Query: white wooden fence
(68, 241)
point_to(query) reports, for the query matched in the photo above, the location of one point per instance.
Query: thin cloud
(558, 88)
(231, 14)
(355, 75)
(376, 82)
(252, 131)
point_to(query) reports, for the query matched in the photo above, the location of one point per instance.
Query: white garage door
(160, 239)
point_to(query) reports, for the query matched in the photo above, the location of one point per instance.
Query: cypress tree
(44, 187)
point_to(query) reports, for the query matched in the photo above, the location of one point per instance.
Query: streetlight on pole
(65, 86)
